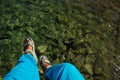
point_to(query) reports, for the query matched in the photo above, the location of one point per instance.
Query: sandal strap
(28, 51)
(31, 43)
(44, 60)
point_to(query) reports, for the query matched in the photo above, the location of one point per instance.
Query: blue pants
(25, 69)
(64, 71)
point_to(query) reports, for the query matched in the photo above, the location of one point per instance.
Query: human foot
(29, 47)
(44, 62)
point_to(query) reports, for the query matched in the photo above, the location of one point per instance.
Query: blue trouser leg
(25, 69)
(64, 71)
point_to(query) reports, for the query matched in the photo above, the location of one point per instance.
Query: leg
(64, 71)
(26, 67)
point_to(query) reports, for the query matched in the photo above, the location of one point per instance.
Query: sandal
(29, 42)
(44, 59)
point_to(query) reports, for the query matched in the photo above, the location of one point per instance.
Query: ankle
(28, 49)
(46, 66)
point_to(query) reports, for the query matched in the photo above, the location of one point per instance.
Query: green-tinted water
(83, 32)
